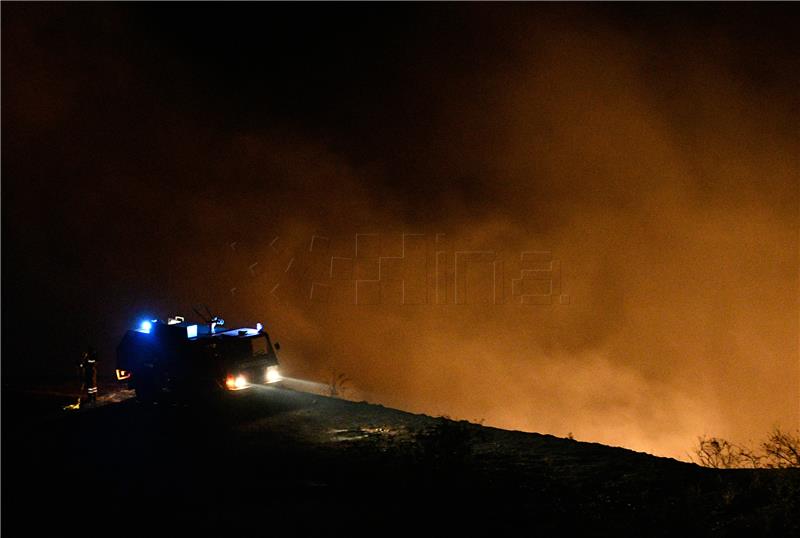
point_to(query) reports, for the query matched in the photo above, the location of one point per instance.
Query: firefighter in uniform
(88, 366)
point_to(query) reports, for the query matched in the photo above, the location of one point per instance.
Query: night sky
(646, 157)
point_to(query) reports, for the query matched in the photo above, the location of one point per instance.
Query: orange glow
(589, 232)
(123, 375)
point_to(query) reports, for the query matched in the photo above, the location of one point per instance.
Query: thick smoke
(673, 213)
(647, 185)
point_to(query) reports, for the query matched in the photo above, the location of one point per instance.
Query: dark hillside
(273, 457)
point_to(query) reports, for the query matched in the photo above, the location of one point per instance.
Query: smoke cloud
(553, 219)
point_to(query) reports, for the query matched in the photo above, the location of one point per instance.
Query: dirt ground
(270, 458)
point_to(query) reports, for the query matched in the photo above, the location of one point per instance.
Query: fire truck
(183, 359)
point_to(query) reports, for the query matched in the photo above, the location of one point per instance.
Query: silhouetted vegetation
(338, 384)
(781, 450)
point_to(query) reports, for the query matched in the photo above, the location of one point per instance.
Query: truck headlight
(236, 383)
(273, 375)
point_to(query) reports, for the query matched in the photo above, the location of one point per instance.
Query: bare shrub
(780, 450)
(720, 453)
(338, 384)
